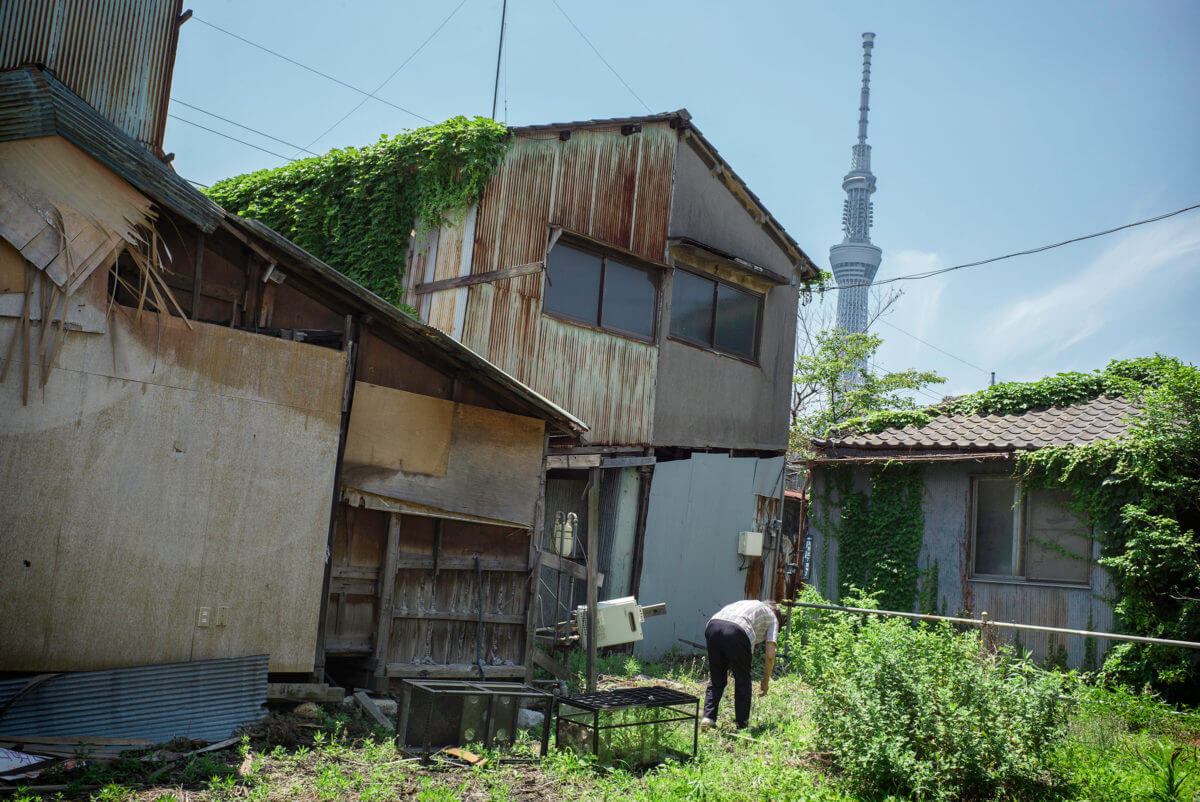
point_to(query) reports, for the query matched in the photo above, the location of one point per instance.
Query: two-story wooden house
(622, 269)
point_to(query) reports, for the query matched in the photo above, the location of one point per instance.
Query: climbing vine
(1141, 492)
(356, 208)
(879, 535)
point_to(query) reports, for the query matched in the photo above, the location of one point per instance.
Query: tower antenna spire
(855, 260)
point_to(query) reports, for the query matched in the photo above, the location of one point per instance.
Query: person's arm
(767, 669)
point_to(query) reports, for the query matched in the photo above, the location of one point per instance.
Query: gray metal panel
(690, 561)
(204, 699)
(34, 103)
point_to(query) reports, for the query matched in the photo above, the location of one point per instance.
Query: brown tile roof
(1101, 418)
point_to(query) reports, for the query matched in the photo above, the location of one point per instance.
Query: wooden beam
(304, 692)
(537, 540)
(197, 275)
(453, 671)
(477, 278)
(408, 561)
(178, 281)
(593, 589)
(449, 615)
(645, 476)
(558, 563)
(386, 595)
(572, 461)
(548, 663)
(626, 462)
(372, 710)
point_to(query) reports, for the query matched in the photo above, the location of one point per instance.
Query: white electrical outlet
(204, 617)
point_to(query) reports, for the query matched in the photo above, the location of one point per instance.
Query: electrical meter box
(617, 621)
(750, 544)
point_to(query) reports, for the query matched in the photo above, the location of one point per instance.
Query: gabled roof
(34, 103)
(682, 120)
(1103, 418)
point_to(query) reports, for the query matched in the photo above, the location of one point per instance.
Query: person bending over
(731, 636)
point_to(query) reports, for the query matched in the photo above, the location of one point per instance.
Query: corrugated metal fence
(203, 699)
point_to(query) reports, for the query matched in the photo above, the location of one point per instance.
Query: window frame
(1020, 527)
(712, 347)
(604, 254)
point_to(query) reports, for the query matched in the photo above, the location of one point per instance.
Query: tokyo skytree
(854, 260)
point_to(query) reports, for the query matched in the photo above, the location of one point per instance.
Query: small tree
(833, 386)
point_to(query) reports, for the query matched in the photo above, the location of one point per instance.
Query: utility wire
(599, 55)
(934, 347)
(227, 136)
(931, 273)
(385, 81)
(304, 66)
(241, 125)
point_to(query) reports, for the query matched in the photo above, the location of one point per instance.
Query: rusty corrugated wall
(117, 55)
(613, 188)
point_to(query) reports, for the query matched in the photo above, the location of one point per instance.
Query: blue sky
(995, 127)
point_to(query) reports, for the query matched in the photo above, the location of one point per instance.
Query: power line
(598, 55)
(385, 81)
(241, 125)
(227, 136)
(934, 347)
(304, 66)
(931, 273)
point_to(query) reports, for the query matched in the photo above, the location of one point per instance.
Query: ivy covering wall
(356, 208)
(1141, 492)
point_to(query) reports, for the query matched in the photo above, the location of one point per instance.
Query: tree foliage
(832, 385)
(356, 208)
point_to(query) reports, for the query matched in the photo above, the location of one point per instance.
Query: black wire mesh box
(437, 713)
(633, 726)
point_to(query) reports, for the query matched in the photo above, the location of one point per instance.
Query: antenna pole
(499, 52)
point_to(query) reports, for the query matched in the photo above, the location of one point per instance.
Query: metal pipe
(975, 622)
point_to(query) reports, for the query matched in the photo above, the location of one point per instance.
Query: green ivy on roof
(356, 208)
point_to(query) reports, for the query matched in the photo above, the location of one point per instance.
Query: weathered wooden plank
(559, 563)
(450, 615)
(304, 692)
(573, 461)
(453, 670)
(626, 462)
(548, 663)
(348, 644)
(368, 573)
(359, 587)
(387, 592)
(407, 561)
(593, 586)
(477, 278)
(372, 710)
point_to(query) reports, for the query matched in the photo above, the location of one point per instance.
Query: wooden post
(645, 476)
(593, 590)
(385, 595)
(536, 536)
(197, 275)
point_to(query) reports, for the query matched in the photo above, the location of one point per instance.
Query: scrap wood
(74, 740)
(470, 757)
(371, 709)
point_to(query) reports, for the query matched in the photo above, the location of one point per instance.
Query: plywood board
(399, 431)
(492, 470)
(165, 470)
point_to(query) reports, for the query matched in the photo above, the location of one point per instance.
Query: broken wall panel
(491, 470)
(167, 497)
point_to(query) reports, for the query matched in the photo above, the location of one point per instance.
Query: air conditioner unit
(617, 621)
(750, 544)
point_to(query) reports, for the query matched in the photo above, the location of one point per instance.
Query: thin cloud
(1133, 271)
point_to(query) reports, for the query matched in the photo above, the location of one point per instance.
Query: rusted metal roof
(118, 55)
(1103, 418)
(33, 103)
(427, 341)
(682, 120)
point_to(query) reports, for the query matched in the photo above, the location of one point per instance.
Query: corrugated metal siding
(205, 699)
(115, 54)
(613, 188)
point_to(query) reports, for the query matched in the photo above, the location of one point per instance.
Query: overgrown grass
(1108, 745)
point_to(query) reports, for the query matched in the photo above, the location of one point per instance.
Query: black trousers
(728, 650)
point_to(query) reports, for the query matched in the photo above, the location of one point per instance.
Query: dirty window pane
(994, 527)
(1057, 543)
(737, 320)
(629, 299)
(692, 307)
(573, 284)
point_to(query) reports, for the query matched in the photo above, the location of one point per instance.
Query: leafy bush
(924, 711)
